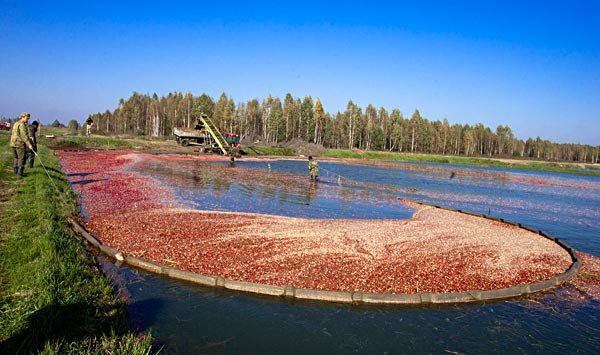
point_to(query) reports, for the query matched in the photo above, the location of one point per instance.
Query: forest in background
(272, 121)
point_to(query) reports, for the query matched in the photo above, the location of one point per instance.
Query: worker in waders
(313, 169)
(33, 137)
(19, 141)
(234, 151)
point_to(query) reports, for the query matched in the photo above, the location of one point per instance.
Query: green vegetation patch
(265, 150)
(53, 299)
(410, 157)
(94, 142)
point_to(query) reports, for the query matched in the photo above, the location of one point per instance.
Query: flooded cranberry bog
(256, 217)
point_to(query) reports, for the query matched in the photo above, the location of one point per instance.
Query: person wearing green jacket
(19, 141)
(313, 169)
(33, 137)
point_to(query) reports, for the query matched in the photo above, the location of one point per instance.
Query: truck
(208, 137)
(5, 126)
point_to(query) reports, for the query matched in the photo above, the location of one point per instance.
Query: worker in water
(234, 151)
(231, 154)
(33, 137)
(313, 168)
(19, 141)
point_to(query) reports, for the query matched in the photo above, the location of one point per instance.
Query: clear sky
(532, 65)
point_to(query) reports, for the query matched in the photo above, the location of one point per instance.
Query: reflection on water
(194, 319)
(276, 187)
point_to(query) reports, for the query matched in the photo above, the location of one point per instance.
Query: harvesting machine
(208, 137)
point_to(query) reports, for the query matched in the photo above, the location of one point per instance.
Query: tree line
(275, 121)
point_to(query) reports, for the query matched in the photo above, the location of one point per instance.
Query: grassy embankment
(67, 138)
(64, 137)
(264, 150)
(53, 299)
(568, 168)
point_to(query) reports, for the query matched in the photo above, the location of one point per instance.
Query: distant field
(562, 167)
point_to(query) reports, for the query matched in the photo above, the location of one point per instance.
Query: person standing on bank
(33, 137)
(313, 168)
(88, 126)
(19, 140)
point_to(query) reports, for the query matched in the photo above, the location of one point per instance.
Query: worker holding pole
(19, 140)
(33, 137)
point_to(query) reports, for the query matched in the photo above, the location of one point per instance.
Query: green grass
(106, 344)
(53, 298)
(525, 165)
(265, 150)
(64, 137)
(93, 142)
(56, 131)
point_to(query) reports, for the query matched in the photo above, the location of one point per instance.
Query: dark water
(188, 318)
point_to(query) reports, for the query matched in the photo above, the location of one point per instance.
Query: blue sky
(532, 65)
